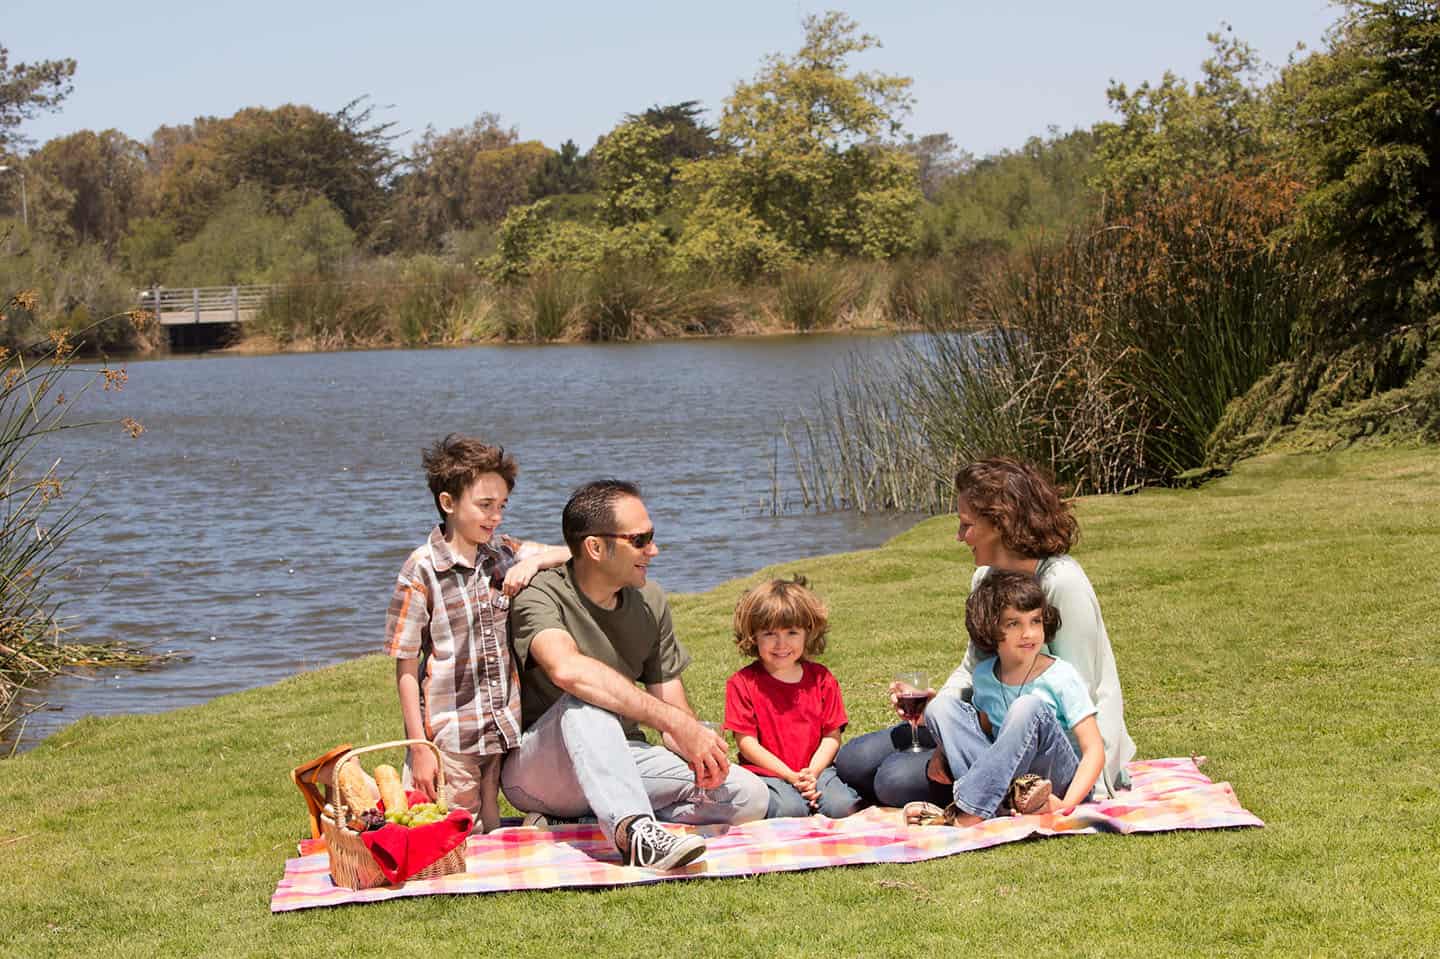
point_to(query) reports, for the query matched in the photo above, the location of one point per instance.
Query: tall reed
(1109, 357)
(39, 388)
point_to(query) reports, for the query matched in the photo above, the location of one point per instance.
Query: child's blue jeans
(1031, 741)
(837, 800)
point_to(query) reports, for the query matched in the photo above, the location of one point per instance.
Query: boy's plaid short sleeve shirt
(446, 614)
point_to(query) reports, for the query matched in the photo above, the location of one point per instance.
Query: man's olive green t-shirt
(636, 638)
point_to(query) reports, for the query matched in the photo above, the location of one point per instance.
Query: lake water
(260, 520)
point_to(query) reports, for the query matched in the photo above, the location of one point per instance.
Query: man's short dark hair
(591, 510)
(456, 462)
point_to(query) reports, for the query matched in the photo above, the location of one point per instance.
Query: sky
(991, 74)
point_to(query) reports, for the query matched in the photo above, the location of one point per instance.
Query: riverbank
(1274, 620)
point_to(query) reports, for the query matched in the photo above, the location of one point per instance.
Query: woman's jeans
(837, 800)
(877, 768)
(1031, 741)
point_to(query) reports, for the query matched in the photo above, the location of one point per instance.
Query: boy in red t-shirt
(786, 711)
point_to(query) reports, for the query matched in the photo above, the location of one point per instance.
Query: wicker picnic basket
(351, 864)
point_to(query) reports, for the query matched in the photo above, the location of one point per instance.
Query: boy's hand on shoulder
(520, 575)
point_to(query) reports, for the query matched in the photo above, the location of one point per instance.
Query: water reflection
(261, 518)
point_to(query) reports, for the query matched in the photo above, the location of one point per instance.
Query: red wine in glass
(912, 706)
(911, 697)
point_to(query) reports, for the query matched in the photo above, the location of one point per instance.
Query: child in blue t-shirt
(1031, 715)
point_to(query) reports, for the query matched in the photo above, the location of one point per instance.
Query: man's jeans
(576, 760)
(1031, 741)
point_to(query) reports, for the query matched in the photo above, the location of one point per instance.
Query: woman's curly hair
(781, 604)
(1022, 503)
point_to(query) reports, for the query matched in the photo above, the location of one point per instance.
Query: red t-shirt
(789, 719)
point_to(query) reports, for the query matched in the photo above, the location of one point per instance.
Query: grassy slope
(1281, 621)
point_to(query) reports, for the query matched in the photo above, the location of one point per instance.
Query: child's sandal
(1028, 794)
(923, 814)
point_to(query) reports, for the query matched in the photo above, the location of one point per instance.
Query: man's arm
(586, 678)
(707, 755)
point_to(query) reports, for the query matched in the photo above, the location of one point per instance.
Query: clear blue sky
(989, 74)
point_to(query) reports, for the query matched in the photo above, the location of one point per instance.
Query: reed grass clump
(1109, 357)
(38, 390)
(815, 296)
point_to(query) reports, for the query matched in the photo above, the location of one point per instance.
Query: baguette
(357, 791)
(392, 794)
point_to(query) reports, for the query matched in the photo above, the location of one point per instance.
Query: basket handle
(341, 812)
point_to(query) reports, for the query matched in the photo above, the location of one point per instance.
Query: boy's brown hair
(1022, 503)
(780, 604)
(999, 590)
(454, 463)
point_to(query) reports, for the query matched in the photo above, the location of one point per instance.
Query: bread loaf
(391, 792)
(356, 791)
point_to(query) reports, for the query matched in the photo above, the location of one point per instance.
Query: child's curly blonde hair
(781, 604)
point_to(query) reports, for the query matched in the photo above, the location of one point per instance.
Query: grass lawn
(1283, 621)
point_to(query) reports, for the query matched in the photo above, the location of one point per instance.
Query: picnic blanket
(1167, 794)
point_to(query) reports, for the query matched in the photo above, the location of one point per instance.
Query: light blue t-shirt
(1060, 686)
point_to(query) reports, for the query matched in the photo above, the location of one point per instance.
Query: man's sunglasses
(637, 540)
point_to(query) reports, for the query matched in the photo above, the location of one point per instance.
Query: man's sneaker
(653, 847)
(542, 820)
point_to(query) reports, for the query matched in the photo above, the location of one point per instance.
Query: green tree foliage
(293, 154)
(1364, 116)
(808, 157)
(28, 89)
(245, 242)
(633, 171)
(687, 135)
(1173, 131)
(1005, 201)
(99, 180)
(470, 175)
(564, 171)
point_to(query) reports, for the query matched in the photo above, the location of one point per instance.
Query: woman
(1012, 518)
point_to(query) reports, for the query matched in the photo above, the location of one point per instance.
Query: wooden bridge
(204, 304)
(203, 317)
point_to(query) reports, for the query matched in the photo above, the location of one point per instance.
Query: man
(584, 634)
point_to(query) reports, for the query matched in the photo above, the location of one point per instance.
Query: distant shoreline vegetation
(1230, 263)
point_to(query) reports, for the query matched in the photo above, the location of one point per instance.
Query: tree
(27, 89)
(687, 136)
(808, 157)
(1363, 114)
(937, 159)
(1004, 201)
(565, 171)
(292, 154)
(101, 177)
(1172, 131)
(467, 176)
(633, 171)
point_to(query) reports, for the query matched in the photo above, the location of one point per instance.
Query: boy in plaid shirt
(447, 627)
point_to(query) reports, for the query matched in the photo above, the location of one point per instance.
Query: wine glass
(911, 698)
(702, 795)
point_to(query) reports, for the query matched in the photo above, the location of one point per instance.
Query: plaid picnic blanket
(1167, 794)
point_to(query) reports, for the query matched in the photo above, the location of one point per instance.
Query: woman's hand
(896, 689)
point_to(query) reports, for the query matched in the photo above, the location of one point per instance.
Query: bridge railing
(204, 304)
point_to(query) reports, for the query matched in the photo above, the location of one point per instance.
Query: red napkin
(402, 851)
